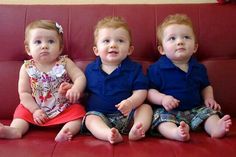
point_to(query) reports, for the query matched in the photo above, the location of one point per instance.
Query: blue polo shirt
(107, 90)
(187, 87)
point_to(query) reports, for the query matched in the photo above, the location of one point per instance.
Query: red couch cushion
(216, 33)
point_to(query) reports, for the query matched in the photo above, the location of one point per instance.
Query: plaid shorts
(116, 120)
(193, 117)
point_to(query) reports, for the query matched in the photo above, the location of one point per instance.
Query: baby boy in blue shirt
(180, 85)
(116, 86)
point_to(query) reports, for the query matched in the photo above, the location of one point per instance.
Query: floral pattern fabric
(45, 86)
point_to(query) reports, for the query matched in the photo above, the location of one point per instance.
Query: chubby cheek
(168, 49)
(101, 51)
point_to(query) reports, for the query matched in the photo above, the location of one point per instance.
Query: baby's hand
(73, 95)
(125, 107)
(169, 102)
(40, 117)
(64, 87)
(211, 103)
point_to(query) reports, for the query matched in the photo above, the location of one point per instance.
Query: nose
(180, 42)
(44, 45)
(113, 44)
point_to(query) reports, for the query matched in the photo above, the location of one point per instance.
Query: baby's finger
(167, 108)
(212, 106)
(72, 99)
(38, 121)
(176, 102)
(217, 107)
(125, 113)
(117, 106)
(207, 105)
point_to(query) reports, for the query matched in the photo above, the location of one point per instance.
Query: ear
(195, 48)
(61, 48)
(131, 50)
(161, 50)
(27, 50)
(95, 50)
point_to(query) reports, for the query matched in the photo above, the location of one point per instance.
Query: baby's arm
(135, 100)
(79, 81)
(208, 96)
(25, 94)
(167, 101)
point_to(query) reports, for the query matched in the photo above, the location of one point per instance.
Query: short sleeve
(205, 80)
(154, 77)
(140, 81)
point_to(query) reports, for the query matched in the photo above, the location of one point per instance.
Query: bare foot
(65, 135)
(114, 136)
(222, 127)
(183, 132)
(9, 132)
(137, 132)
(3, 131)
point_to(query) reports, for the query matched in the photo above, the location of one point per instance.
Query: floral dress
(45, 87)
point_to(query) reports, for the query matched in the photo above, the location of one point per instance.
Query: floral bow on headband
(59, 27)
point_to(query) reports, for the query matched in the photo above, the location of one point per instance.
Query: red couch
(216, 31)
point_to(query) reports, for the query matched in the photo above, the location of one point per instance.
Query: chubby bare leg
(142, 122)
(16, 130)
(217, 127)
(68, 131)
(137, 132)
(171, 131)
(114, 136)
(101, 131)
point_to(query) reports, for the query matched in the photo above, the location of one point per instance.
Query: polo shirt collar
(125, 64)
(97, 63)
(166, 63)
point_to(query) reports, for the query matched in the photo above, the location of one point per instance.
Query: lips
(43, 53)
(113, 52)
(180, 49)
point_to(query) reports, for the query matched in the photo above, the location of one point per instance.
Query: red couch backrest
(215, 24)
